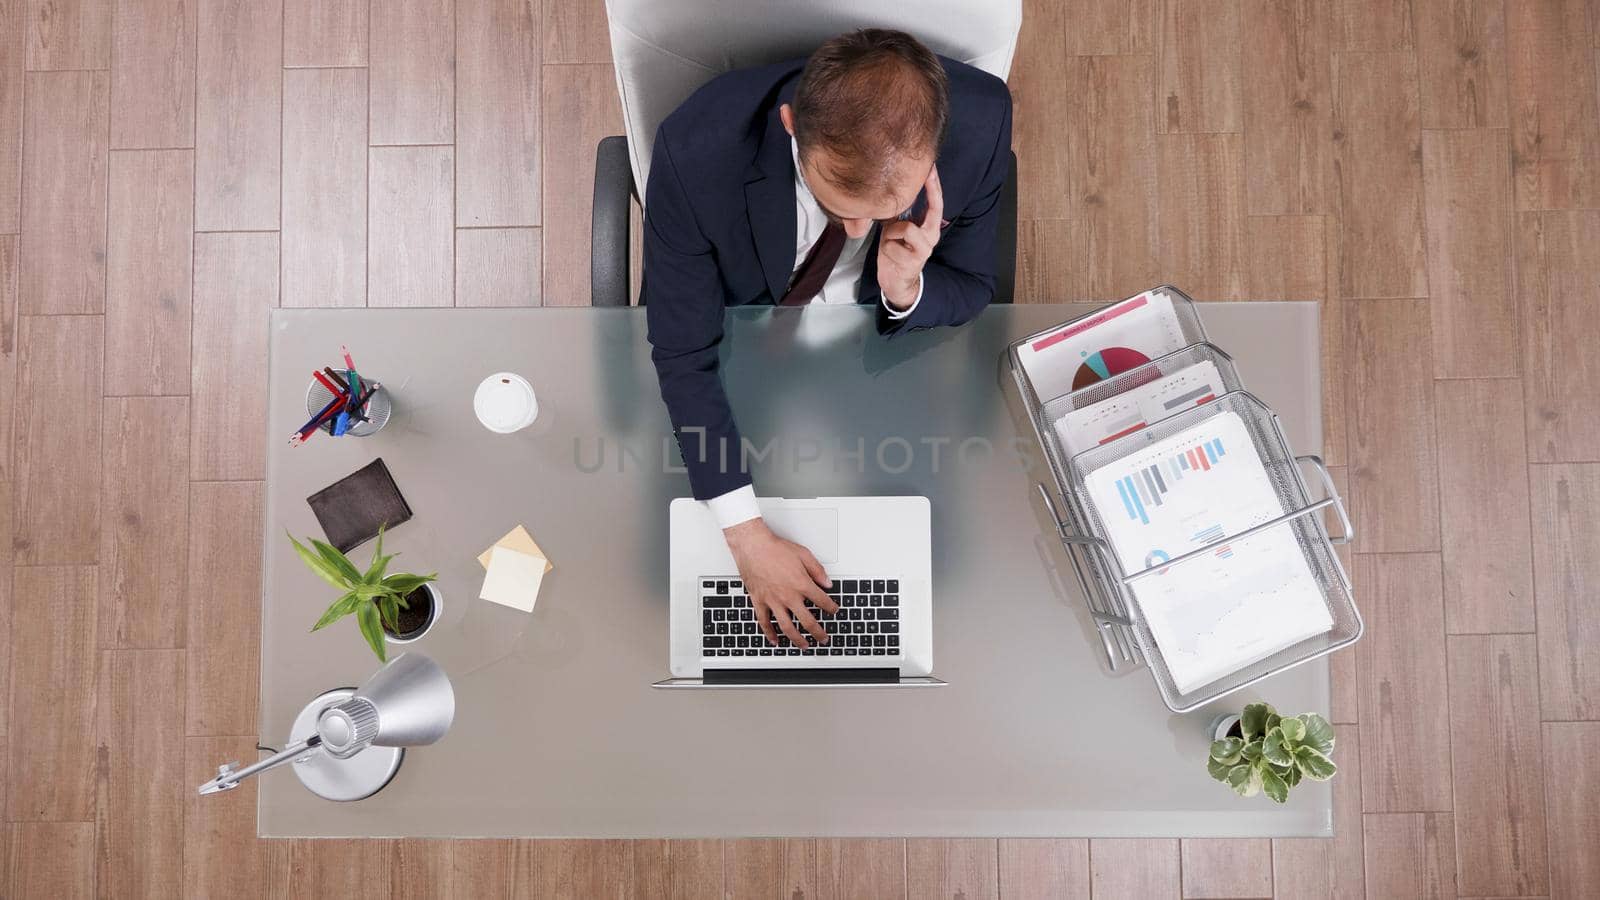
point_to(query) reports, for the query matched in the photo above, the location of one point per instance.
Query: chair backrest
(665, 49)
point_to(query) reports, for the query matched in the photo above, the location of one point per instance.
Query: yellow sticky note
(513, 579)
(520, 540)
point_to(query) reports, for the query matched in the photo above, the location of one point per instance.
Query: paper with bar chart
(1118, 338)
(1243, 601)
(1138, 407)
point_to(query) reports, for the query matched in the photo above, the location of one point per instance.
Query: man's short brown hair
(870, 97)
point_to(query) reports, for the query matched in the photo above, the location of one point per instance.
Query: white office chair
(665, 49)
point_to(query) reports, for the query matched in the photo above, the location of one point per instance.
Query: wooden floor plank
(144, 531)
(1410, 856)
(1323, 868)
(1199, 88)
(1111, 27)
(340, 867)
(53, 859)
(952, 867)
(482, 869)
(153, 74)
(224, 606)
(861, 869)
(324, 187)
(1372, 24)
(1499, 808)
(1378, 176)
(325, 32)
(10, 262)
(1050, 261)
(1125, 869)
(1394, 476)
(221, 855)
(1231, 867)
(1109, 124)
(650, 873)
(497, 114)
(498, 266)
(56, 495)
(1404, 684)
(140, 789)
(1483, 504)
(64, 207)
(69, 34)
(1467, 176)
(1338, 349)
(1283, 259)
(1555, 126)
(1038, 868)
(149, 274)
(1558, 273)
(1200, 215)
(1288, 107)
(580, 107)
(1566, 519)
(413, 72)
(696, 867)
(1461, 63)
(1042, 75)
(1572, 802)
(6, 606)
(576, 31)
(235, 287)
(570, 868)
(239, 55)
(13, 57)
(411, 244)
(53, 662)
(755, 868)
(422, 866)
(1344, 682)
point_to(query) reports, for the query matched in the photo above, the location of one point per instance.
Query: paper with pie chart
(1240, 603)
(1118, 338)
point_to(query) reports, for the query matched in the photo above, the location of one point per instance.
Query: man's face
(857, 214)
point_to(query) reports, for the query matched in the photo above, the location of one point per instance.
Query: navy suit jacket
(719, 231)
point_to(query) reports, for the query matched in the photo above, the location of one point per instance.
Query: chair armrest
(1005, 240)
(608, 246)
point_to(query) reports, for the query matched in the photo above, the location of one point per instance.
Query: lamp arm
(228, 777)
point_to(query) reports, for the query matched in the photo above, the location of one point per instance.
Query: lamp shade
(407, 703)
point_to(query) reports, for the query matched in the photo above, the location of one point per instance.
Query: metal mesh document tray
(1106, 587)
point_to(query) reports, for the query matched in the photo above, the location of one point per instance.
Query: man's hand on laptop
(780, 576)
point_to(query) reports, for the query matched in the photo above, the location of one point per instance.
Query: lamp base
(356, 778)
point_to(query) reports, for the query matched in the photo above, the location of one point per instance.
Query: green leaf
(1218, 769)
(1274, 787)
(1245, 780)
(1319, 734)
(341, 607)
(1292, 776)
(339, 561)
(1253, 720)
(1252, 750)
(1315, 766)
(320, 566)
(391, 613)
(1294, 729)
(372, 630)
(380, 562)
(1273, 750)
(1227, 750)
(402, 585)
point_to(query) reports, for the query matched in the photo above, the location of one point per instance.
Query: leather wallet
(352, 509)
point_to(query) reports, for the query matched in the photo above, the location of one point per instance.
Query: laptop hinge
(802, 676)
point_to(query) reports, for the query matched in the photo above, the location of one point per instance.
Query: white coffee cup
(505, 403)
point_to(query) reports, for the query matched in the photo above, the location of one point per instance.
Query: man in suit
(869, 173)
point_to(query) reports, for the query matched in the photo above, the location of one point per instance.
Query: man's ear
(786, 115)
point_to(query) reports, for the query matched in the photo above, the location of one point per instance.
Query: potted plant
(1259, 751)
(399, 607)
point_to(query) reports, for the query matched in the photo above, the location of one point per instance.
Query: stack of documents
(515, 567)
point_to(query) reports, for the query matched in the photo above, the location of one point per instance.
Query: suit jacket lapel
(769, 199)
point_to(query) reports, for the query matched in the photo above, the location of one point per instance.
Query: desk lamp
(347, 744)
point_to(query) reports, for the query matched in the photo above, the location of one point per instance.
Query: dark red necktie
(814, 272)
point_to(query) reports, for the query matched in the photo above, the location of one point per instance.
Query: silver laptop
(877, 550)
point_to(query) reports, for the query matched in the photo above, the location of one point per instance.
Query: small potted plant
(1259, 751)
(398, 607)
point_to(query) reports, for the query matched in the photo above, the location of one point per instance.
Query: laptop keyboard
(867, 623)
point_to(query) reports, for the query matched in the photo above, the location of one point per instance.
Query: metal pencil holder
(377, 411)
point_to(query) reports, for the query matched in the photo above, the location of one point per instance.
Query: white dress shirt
(843, 286)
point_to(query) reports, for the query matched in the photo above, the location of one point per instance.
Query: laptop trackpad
(815, 529)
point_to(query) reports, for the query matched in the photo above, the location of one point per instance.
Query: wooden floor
(170, 169)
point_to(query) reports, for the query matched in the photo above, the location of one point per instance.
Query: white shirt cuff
(737, 505)
(901, 314)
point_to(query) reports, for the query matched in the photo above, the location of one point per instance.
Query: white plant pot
(1221, 725)
(438, 610)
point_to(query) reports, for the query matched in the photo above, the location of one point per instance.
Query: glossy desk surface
(557, 730)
